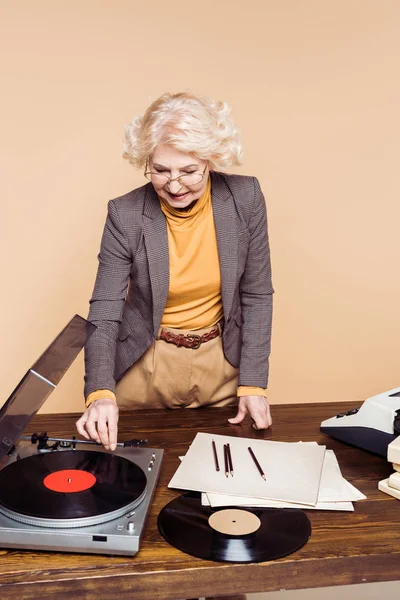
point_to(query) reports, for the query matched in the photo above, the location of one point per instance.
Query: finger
(258, 426)
(262, 419)
(102, 428)
(239, 417)
(80, 426)
(91, 429)
(113, 430)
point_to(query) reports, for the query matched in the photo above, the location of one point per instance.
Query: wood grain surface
(344, 548)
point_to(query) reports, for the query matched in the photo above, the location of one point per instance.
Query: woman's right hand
(100, 423)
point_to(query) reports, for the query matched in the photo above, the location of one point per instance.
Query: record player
(69, 495)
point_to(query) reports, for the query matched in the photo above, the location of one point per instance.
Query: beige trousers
(167, 376)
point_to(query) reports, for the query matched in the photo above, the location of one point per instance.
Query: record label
(258, 535)
(233, 521)
(69, 480)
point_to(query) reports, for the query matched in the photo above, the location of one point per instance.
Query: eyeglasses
(187, 179)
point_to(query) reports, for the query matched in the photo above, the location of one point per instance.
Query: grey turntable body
(116, 532)
(118, 536)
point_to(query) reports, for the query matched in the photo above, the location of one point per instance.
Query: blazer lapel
(156, 241)
(226, 229)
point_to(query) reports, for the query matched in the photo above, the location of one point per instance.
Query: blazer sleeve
(256, 299)
(107, 303)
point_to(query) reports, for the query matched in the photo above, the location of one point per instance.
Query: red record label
(69, 480)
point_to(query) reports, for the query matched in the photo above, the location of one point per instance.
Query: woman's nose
(174, 186)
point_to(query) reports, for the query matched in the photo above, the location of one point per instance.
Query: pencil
(215, 456)
(230, 464)
(257, 463)
(226, 460)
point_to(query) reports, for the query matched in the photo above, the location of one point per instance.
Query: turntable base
(90, 524)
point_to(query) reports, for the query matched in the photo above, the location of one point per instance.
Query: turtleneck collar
(175, 214)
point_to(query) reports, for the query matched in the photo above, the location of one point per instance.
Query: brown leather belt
(189, 340)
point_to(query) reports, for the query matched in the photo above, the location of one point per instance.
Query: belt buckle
(195, 338)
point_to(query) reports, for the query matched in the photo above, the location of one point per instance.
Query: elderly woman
(183, 295)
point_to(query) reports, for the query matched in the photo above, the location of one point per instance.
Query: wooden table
(344, 548)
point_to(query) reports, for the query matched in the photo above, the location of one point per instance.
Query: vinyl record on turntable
(70, 488)
(231, 534)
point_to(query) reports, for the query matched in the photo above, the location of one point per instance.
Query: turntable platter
(70, 488)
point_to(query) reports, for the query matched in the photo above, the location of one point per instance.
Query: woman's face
(173, 163)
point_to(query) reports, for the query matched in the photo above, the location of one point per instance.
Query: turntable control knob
(131, 527)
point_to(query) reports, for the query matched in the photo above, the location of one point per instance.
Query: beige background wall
(314, 86)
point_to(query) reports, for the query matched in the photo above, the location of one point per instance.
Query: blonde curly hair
(189, 123)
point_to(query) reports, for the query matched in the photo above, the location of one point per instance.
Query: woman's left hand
(258, 409)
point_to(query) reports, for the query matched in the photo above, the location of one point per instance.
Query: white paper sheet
(293, 470)
(334, 488)
(343, 506)
(335, 492)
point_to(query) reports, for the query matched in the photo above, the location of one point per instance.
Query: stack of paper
(303, 475)
(391, 485)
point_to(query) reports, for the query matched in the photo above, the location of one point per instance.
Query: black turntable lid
(38, 383)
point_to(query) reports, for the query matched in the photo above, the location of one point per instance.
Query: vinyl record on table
(232, 534)
(76, 487)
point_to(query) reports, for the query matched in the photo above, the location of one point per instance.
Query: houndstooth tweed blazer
(132, 282)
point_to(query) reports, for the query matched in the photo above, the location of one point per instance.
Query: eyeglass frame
(169, 180)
